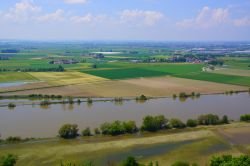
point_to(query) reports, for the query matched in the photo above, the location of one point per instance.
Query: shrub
(11, 105)
(176, 123)
(130, 127)
(183, 95)
(115, 128)
(245, 117)
(228, 160)
(89, 101)
(68, 131)
(224, 120)
(192, 123)
(86, 132)
(208, 119)
(130, 161)
(142, 98)
(153, 124)
(9, 160)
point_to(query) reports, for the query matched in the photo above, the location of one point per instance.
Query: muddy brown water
(34, 121)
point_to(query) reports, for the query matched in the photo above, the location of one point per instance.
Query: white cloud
(58, 15)
(82, 19)
(206, 18)
(245, 21)
(139, 16)
(75, 1)
(22, 10)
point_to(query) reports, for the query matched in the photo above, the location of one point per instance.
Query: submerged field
(193, 146)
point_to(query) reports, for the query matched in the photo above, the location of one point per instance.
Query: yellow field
(66, 78)
(236, 72)
(92, 86)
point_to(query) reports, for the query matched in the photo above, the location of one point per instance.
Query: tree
(130, 127)
(153, 124)
(245, 117)
(97, 131)
(176, 123)
(86, 132)
(180, 163)
(11, 105)
(68, 131)
(228, 160)
(130, 161)
(9, 160)
(192, 123)
(224, 120)
(208, 119)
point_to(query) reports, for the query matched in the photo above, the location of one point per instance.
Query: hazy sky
(125, 19)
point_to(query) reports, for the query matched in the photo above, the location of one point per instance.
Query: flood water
(34, 121)
(12, 84)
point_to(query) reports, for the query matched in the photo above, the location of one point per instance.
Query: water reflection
(33, 121)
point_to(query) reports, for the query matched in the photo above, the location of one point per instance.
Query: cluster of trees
(49, 69)
(118, 128)
(185, 95)
(245, 118)
(15, 139)
(40, 96)
(216, 62)
(150, 123)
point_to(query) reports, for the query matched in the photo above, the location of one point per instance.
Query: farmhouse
(96, 55)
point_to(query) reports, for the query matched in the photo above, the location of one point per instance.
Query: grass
(15, 76)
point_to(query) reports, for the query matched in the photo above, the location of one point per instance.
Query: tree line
(149, 124)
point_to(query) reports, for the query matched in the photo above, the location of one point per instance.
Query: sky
(158, 20)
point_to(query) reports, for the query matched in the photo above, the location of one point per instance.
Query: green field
(123, 71)
(190, 71)
(15, 76)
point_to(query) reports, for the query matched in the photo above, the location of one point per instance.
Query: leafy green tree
(176, 123)
(130, 161)
(8, 160)
(245, 117)
(153, 124)
(208, 119)
(192, 123)
(68, 131)
(86, 132)
(130, 127)
(224, 120)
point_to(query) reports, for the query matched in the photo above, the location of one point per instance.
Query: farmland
(120, 72)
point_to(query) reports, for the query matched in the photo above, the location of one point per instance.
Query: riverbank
(193, 145)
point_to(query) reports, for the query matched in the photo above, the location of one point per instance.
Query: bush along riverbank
(149, 124)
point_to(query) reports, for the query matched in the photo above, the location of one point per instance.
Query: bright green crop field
(190, 71)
